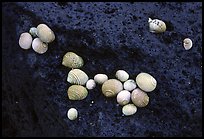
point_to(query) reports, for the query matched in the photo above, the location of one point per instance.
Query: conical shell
(72, 60)
(77, 76)
(45, 33)
(111, 87)
(122, 75)
(156, 26)
(123, 97)
(129, 109)
(100, 78)
(187, 43)
(146, 82)
(129, 85)
(39, 46)
(139, 98)
(77, 92)
(25, 40)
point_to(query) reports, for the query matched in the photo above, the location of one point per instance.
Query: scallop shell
(123, 97)
(111, 87)
(129, 85)
(33, 31)
(72, 114)
(77, 76)
(72, 60)
(122, 75)
(77, 92)
(39, 46)
(100, 78)
(187, 43)
(139, 98)
(45, 33)
(146, 82)
(25, 40)
(129, 109)
(156, 26)
(90, 84)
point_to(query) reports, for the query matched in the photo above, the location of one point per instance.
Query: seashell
(77, 76)
(90, 84)
(129, 109)
(123, 97)
(72, 60)
(77, 92)
(122, 75)
(33, 31)
(187, 43)
(111, 87)
(100, 78)
(39, 46)
(129, 85)
(156, 26)
(25, 40)
(146, 82)
(139, 98)
(45, 33)
(72, 114)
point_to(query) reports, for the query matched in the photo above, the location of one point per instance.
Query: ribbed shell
(39, 46)
(72, 60)
(111, 87)
(139, 98)
(123, 97)
(25, 40)
(77, 76)
(100, 78)
(77, 92)
(45, 33)
(156, 26)
(129, 109)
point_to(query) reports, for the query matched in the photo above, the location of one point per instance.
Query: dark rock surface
(109, 36)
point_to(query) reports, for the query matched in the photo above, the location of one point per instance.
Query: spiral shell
(72, 114)
(77, 76)
(139, 98)
(77, 92)
(100, 78)
(156, 26)
(90, 84)
(187, 43)
(45, 33)
(146, 82)
(25, 40)
(111, 87)
(129, 85)
(72, 60)
(39, 46)
(129, 109)
(123, 97)
(122, 75)
(33, 31)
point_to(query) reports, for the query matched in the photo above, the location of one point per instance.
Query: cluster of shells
(42, 36)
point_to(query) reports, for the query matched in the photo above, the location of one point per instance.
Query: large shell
(129, 85)
(90, 84)
(123, 97)
(187, 43)
(111, 87)
(33, 31)
(39, 46)
(77, 76)
(45, 33)
(100, 78)
(72, 60)
(129, 109)
(77, 92)
(146, 82)
(122, 75)
(25, 40)
(156, 26)
(72, 114)
(139, 98)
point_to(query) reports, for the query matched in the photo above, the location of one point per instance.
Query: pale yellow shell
(25, 40)
(100, 78)
(72, 60)
(123, 97)
(90, 84)
(39, 46)
(77, 76)
(139, 98)
(129, 109)
(77, 92)
(122, 75)
(187, 43)
(129, 85)
(156, 26)
(146, 82)
(111, 87)
(72, 114)
(45, 33)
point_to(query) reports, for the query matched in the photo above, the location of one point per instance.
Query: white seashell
(139, 98)
(45, 33)
(100, 78)
(90, 84)
(25, 40)
(123, 97)
(122, 75)
(77, 76)
(156, 26)
(72, 114)
(129, 109)
(187, 43)
(39, 46)
(129, 85)
(33, 31)
(111, 87)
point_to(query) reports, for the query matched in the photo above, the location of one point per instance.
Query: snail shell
(187, 43)
(111, 87)
(72, 114)
(139, 98)
(39, 46)
(129, 109)
(100, 78)
(122, 75)
(156, 26)
(146, 82)
(90, 84)
(25, 40)
(33, 31)
(77, 92)
(129, 85)
(77, 76)
(45, 33)
(123, 97)
(72, 60)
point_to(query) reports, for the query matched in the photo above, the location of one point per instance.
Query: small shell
(25, 40)
(72, 114)
(187, 43)
(77, 92)
(33, 31)
(72, 60)
(156, 26)
(45, 33)
(123, 97)
(77, 76)
(139, 98)
(100, 78)
(90, 84)
(129, 109)
(122, 75)
(129, 85)
(111, 87)
(39, 46)
(146, 82)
